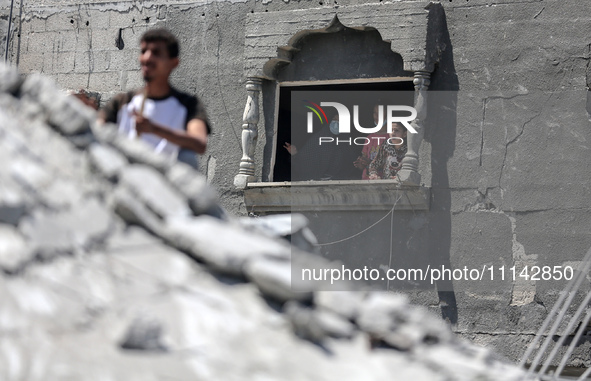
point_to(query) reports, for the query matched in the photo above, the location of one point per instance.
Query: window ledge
(336, 195)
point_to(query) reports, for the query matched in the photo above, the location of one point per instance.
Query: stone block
(193, 185)
(273, 278)
(12, 203)
(72, 81)
(63, 62)
(134, 212)
(103, 81)
(316, 326)
(34, 24)
(102, 61)
(105, 39)
(54, 233)
(344, 303)
(70, 116)
(126, 59)
(124, 19)
(30, 174)
(223, 246)
(151, 188)
(97, 19)
(144, 333)
(105, 133)
(62, 21)
(131, 238)
(32, 64)
(107, 161)
(67, 41)
(138, 151)
(162, 12)
(292, 227)
(83, 62)
(14, 252)
(43, 42)
(40, 89)
(62, 194)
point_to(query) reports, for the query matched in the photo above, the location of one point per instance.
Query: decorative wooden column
(250, 120)
(409, 173)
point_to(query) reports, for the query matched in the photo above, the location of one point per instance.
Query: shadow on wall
(441, 133)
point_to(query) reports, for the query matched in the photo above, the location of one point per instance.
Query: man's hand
(373, 176)
(362, 162)
(194, 138)
(142, 124)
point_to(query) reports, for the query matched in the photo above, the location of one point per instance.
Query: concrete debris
(144, 334)
(273, 277)
(293, 227)
(110, 247)
(14, 251)
(224, 246)
(107, 161)
(12, 203)
(153, 190)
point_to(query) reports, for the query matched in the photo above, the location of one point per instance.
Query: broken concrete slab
(151, 187)
(224, 246)
(14, 251)
(273, 277)
(107, 161)
(53, 233)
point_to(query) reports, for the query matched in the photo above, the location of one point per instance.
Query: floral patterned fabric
(387, 162)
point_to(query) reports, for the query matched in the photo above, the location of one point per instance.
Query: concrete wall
(510, 163)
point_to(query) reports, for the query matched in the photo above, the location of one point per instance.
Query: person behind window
(315, 161)
(388, 160)
(370, 150)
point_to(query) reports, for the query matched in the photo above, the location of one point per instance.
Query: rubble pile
(119, 265)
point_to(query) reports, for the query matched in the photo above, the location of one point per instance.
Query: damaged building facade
(498, 175)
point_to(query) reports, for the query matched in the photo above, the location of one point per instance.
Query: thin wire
(568, 329)
(573, 343)
(364, 230)
(574, 284)
(584, 375)
(548, 319)
(558, 321)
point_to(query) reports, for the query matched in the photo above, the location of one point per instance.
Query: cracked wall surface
(509, 171)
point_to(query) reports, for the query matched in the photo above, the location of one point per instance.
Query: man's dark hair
(164, 35)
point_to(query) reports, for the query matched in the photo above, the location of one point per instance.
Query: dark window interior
(282, 164)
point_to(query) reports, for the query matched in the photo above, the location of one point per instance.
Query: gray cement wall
(509, 167)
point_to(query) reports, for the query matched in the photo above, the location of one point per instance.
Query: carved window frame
(418, 43)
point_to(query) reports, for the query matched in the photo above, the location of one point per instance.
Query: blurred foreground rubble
(119, 265)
